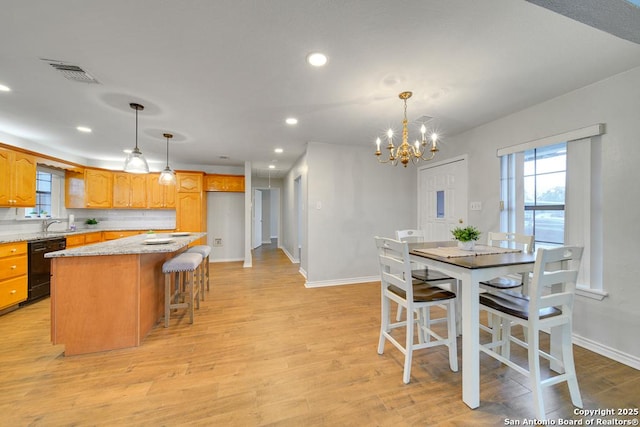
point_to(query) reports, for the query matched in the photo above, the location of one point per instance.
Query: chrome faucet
(46, 224)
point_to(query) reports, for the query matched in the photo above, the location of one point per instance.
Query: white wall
(351, 199)
(225, 220)
(289, 229)
(607, 326)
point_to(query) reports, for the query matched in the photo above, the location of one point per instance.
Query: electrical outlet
(217, 241)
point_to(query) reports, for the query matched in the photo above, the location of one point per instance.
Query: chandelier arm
(433, 154)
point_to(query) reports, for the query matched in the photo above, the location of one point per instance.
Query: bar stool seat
(185, 293)
(203, 250)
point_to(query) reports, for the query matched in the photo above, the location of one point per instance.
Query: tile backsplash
(110, 219)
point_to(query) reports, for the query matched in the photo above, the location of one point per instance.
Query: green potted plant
(91, 222)
(466, 237)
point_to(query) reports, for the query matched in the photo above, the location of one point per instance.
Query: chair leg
(207, 267)
(569, 366)
(201, 271)
(384, 323)
(399, 313)
(534, 373)
(167, 298)
(408, 353)
(504, 326)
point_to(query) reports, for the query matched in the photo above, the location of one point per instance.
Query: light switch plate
(475, 206)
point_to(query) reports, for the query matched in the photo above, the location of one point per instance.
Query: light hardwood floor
(264, 350)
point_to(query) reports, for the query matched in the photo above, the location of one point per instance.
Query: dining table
(470, 267)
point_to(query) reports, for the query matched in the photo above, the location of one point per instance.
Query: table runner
(453, 251)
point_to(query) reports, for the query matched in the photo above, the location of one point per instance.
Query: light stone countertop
(27, 237)
(130, 246)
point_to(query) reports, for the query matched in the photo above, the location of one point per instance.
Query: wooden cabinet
(216, 182)
(129, 190)
(17, 179)
(75, 240)
(98, 185)
(13, 273)
(94, 237)
(113, 235)
(74, 189)
(160, 196)
(189, 212)
(191, 204)
(189, 182)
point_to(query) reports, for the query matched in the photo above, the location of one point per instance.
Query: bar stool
(203, 250)
(183, 267)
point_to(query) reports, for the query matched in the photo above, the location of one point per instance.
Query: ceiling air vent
(73, 72)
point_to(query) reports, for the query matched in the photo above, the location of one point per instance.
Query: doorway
(442, 197)
(265, 217)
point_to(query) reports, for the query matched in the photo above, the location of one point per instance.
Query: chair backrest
(395, 267)
(555, 270)
(511, 240)
(410, 236)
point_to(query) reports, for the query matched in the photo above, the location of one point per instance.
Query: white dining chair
(549, 305)
(524, 242)
(397, 287)
(424, 274)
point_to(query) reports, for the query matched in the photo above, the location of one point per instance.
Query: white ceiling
(223, 75)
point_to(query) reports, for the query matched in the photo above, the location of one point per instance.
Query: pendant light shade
(167, 176)
(135, 161)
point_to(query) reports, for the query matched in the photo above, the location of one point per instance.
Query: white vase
(467, 246)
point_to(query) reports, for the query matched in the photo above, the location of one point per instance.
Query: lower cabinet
(113, 235)
(75, 240)
(13, 274)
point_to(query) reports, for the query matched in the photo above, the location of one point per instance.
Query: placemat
(454, 251)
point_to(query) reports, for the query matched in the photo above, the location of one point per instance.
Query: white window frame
(583, 215)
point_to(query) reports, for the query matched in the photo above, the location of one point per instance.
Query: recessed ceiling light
(127, 150)
(272, 166)
(278, 150)
(291, 121)
(84, 129)
(4, 88)
(317, 59)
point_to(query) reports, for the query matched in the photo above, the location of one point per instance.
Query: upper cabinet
(17, 179)
(129, 190)
(160, 196)
(189, 182)
(98, 186)
(216, 182)
(191, 203)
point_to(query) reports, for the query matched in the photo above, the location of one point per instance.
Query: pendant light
(167, 176)
(135, 161)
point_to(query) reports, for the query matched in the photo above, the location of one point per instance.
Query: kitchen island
(109, 295)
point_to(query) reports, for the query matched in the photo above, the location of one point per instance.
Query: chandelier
(406, 152)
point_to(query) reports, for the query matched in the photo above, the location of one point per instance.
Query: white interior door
(257, 219)
(442, 198)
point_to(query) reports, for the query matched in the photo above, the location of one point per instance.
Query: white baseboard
(227, 260)
(340, 282)
(291, 257)
(303, 272)
(608, 352)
